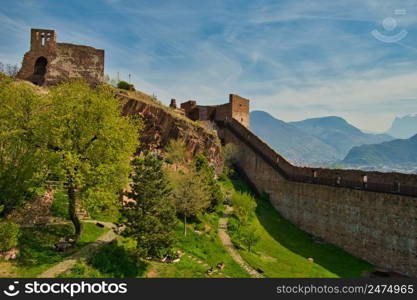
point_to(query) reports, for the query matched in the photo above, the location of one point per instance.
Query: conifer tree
(150, 218)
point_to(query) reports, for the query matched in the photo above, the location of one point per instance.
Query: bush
(249, 236)
(244, 206)
(125, 86)
(9, 235)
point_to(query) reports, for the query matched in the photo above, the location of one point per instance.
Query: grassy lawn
(283, 249)
(112, 261)
(204, 247)
(36, 248)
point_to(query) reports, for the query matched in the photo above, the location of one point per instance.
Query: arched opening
(39, 70)
(40, 66)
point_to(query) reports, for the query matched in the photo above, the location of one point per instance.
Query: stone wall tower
(42, 40)
(239, 109)
(49, 62)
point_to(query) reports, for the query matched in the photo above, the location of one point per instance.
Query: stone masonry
(371, 215)
(48, 62)
(237, 108)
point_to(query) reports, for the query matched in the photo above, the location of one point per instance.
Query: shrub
(249, 236)
(244, 206)
(125, 86)
(9, 235)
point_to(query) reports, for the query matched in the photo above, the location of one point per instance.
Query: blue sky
(293, 59)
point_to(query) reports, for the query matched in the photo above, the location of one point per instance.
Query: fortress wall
(239, 109)
(48, 62)
(378, 227)
(76, 61)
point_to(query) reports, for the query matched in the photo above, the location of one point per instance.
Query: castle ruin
(371, 215)
(48, 62)
(237, 108)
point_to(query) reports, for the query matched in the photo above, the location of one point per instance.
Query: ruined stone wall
(76, 61)
(239, 107)
(48, 62)
(223, 112)
(378, 227)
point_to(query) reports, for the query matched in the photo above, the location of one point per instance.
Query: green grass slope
(283, 249)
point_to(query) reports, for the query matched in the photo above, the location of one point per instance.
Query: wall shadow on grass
(330, 257)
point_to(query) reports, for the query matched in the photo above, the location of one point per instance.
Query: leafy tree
(23, 162)
(230, 155)
(150, 218)
(177, 152)
(209, 176)
(244, 206)
(249, 236)
(191, 194)
(92, 144)
(9, 235)
(125, 86)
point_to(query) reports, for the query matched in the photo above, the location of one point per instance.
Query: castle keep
(48, 62)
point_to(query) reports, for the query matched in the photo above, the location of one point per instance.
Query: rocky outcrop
(163, 124)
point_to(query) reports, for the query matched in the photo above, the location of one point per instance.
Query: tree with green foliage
(150, 218)
(230, 155)
(191, 194)
(209, 176)
(249, 236)
(125, 86)
(9, 235)
(92, 144)
(23, 161)
(244, 206)
(177, 152)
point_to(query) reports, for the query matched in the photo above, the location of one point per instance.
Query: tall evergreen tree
(150, 218)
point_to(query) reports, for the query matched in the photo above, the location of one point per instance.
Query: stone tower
(48, 62)
(237, 109)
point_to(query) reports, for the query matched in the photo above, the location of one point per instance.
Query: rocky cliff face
(163, 124)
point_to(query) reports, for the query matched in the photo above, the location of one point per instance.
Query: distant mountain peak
(313, 140)
(404, 127)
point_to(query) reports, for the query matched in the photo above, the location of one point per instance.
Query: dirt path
(84, 252)
(227, 242)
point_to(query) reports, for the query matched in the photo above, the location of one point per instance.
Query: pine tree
(150, 218)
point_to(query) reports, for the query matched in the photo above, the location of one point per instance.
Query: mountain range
(313, 141)
(404, 127)
(339, 134)
(396, 152)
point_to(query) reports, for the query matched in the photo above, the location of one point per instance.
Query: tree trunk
(185, 224)
(72, 210)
